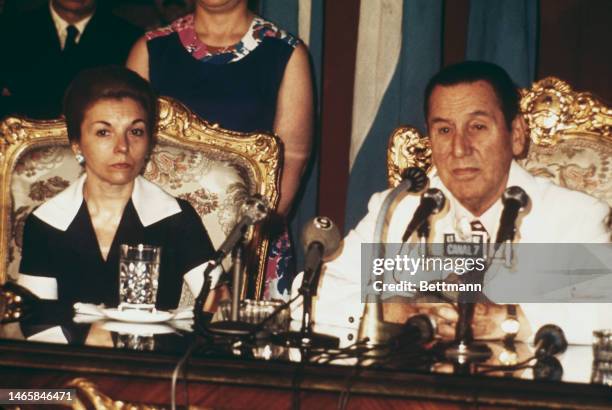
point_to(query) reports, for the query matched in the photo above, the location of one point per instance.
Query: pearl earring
(80, 158)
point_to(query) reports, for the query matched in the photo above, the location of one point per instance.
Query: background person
(45, 48)
(233, 68)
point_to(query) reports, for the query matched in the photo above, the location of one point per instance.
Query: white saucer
(138, 316)
(137, 329)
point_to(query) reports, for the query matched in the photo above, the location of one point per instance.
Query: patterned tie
(70, 44)
(478, 229)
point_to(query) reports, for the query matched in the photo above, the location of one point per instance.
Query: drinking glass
(138, 276)
(602, 357)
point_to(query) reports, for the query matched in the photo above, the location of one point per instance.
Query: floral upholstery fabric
(214, 182)
(580, 164)
(40, 174)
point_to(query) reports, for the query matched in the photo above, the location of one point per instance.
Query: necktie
(70, 44)
(479, 229)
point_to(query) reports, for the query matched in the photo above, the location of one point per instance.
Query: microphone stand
(464, 350)
(306, 338)
(373, 330)
(234, 326)
(423, 232)
(201, 318)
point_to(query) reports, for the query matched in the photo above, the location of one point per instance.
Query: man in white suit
(476, 131)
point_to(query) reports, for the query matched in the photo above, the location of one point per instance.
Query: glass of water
(138, 276)
(602, 357)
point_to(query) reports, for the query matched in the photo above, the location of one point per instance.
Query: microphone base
(298, 339)
(473, 352)
(230, 328)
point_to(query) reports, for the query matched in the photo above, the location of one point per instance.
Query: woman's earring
(80, 158)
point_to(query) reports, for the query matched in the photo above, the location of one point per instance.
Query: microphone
(549, 340)
(547, 368)
(432, 202)
(254, 209)
(419, 329)
(515, 199)
(320, 238)
(415, 177)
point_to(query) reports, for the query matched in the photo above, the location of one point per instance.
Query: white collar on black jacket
(151, 202)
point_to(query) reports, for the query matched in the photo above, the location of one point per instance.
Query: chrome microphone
(432, 202)
(254, 209)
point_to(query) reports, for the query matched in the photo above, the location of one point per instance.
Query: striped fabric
(398, 49)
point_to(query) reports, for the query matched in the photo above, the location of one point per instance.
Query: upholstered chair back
(570, 140)
(212, 168)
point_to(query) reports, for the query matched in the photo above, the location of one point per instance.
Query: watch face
(508, 357)
(510, 326)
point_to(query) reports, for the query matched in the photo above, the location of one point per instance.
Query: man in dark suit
(42, 50)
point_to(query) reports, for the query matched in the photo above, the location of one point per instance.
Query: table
(219, 379)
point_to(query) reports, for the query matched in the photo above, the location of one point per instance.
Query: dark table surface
(51, 340)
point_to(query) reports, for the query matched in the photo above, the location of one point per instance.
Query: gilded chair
(214, 169)
(570, 140)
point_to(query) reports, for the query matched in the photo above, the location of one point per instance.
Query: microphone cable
(177, 369)
(345, 395)
(296, 382)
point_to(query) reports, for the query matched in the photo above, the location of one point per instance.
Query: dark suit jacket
(33, 68)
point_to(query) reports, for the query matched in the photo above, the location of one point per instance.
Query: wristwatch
(511, 325)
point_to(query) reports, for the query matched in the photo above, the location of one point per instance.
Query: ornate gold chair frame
(257, 158)
(561, 121)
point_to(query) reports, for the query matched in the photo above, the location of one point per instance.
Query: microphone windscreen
(553, 337)
(417, 176)
(426, 326)
(255, 208)
(515, 193)
(321, 229)
(437, 196)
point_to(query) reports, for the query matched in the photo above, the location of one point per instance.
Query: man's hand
(488, 318)
(486, 324)
(444, 314)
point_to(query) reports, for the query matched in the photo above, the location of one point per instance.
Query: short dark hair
(103, 83)
(472, 71)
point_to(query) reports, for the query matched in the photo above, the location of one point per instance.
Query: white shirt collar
(61, 25)
(490, 218)
(152, 204)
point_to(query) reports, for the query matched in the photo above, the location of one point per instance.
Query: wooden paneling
(575, 44)
(340, 48)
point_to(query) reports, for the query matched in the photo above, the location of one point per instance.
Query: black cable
(297, 380)
(345, 394)
(505, 366)
(177, 370)
(506, 369)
